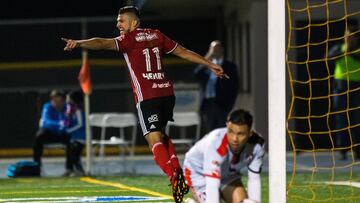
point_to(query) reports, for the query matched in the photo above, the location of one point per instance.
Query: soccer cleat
(183, 186)
(177, 189)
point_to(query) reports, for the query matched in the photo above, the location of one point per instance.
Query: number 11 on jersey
(156, 51)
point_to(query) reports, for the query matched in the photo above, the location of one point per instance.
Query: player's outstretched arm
(93, 43)
(196, 58)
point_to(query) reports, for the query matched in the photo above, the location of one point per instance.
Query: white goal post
(276, 101)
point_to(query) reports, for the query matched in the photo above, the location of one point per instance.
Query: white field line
(77, 199)
(343, 183)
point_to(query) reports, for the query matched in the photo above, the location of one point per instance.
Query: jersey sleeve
(256, 161)
(213, 158)
(123, 42)
(168, 44)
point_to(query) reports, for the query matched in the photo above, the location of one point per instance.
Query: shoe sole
(178, 194)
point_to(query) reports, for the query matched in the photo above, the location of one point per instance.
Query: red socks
(162, 159)
(172, 154)
(165, 156)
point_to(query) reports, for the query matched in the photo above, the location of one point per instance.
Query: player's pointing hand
(219, 72)
(70, 44)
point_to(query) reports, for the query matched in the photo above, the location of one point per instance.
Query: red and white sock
(162, 159)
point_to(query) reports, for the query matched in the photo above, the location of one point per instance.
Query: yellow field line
(122, 186)
(21, 152)
(57, 191)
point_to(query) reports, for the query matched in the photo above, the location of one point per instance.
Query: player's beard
(123, 31)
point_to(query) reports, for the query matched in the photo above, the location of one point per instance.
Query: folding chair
(121, 121)
(98, 120)
(183, 120)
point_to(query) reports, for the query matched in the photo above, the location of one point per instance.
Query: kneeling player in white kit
(212, 166)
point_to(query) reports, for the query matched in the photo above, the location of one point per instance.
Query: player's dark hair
(130, 9)
(57, 93)
(240, 117)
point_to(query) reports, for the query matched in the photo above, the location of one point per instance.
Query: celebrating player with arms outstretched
(212, 166)
(143, 50)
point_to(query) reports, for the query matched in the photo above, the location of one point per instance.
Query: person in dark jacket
(52, 125)
(218, 96)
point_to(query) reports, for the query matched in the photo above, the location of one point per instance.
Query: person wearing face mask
(212, 166)
(218, 96)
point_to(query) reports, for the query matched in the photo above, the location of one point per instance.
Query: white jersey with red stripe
(212, 157)
(143, 50)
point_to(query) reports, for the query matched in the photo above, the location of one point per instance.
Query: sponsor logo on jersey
(153, 118)
(161, 85)
(141, 36)
(152, 126)
(154, 76)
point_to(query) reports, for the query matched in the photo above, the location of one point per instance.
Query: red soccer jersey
(143, 50)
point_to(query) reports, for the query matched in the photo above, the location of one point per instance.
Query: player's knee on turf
(234, 192)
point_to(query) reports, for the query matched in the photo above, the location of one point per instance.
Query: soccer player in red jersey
(143, 50)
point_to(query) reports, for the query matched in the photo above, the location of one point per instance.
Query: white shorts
(197, 184)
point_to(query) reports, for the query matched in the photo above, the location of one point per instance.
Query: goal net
(323, 123)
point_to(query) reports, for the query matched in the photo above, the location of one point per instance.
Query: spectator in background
(346, 99)
(52, 125)
(75, 122)
(218, 96)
